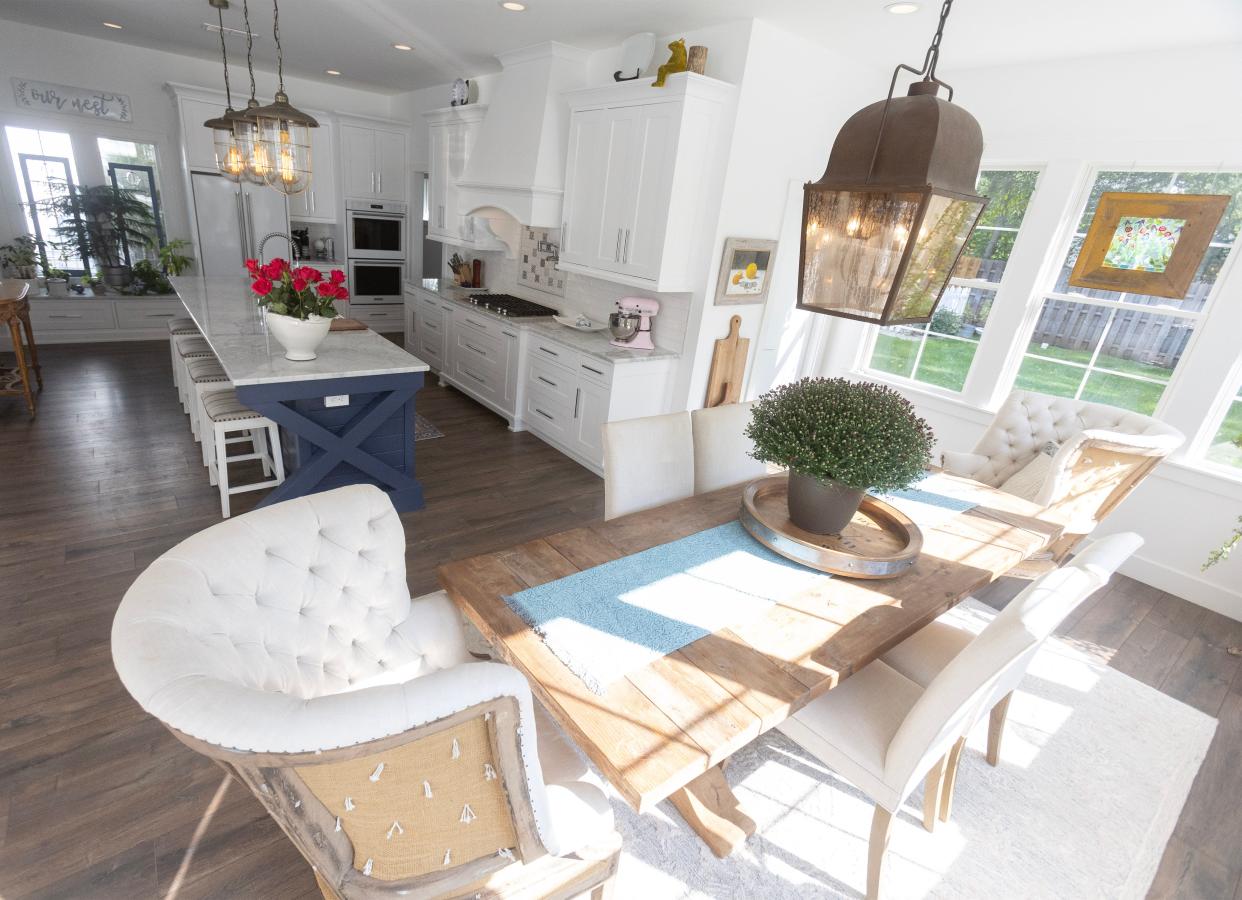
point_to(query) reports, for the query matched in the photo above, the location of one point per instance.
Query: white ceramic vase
(300, 337)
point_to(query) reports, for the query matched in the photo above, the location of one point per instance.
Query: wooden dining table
(664, 731)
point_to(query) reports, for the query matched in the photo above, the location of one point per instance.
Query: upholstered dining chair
(647, 462)
(1075, 458)
(922, 656)
(722, 449)
(284, 645)
(884, 732)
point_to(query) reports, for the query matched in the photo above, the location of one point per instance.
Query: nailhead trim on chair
(192, 344)
(204, 369)
(223, 406)
(182, 325)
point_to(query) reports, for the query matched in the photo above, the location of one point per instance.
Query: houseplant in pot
(299, 303)
(839, 439)
(20, 258)
(108, 223)
(57, 282)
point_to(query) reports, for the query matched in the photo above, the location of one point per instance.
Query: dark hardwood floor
(97, 800)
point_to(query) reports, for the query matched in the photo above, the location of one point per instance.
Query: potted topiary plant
(299, 303)
(839, 439)
(105, 222)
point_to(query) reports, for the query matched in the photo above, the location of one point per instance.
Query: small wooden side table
(15, 312)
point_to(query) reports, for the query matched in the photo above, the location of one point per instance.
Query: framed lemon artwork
(745, 270)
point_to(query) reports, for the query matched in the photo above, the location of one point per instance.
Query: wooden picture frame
(1147, 243)
(735, 286)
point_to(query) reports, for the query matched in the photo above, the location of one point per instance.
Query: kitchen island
(346, 417)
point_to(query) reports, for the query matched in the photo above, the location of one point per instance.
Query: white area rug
(1095, 769)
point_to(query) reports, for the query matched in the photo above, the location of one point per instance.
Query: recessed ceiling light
(331, 72)
(513, 6)
(402, 47)
(903, 8)
(113, 25)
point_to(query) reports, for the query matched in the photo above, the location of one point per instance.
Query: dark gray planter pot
(117, 276)
(821, 507)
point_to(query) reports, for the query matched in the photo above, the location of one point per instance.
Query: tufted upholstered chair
(284, 645)
(1104, 453)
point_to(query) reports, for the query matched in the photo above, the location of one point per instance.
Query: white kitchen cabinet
(569, 395)
(318, 202)
(643, 179)
(197, 142)
(483, 360)
(373, 162)
(378, 316)
(452, 133)
(433, 321)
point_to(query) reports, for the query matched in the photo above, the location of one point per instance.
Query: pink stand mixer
(631, 323)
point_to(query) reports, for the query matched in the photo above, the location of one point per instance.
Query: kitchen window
(1118, 348)
(44, 164)
(941, 353)
(132, 165)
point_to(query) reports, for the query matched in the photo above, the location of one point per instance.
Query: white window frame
(969, 394)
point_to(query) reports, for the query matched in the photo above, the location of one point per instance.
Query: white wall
(1066, 116)
(46, 55)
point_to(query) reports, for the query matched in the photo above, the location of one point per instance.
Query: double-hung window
(941, 353)
(1120, 348)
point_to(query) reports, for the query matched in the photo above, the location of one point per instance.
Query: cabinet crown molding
(680, 86)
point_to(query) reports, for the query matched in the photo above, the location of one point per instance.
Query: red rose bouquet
(299, 292)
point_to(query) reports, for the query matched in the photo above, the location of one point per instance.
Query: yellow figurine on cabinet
(676, 62)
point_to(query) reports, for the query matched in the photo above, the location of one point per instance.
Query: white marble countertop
(593, 343)
(225, 312)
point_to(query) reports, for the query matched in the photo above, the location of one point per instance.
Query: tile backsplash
(574, 293)
(538, 263)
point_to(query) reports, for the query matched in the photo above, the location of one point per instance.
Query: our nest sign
(43, 96)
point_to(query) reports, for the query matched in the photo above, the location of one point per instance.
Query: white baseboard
(1187, 586)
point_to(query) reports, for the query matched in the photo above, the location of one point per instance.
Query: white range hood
(517, 163)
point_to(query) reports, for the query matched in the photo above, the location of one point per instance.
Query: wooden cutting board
(728, 371)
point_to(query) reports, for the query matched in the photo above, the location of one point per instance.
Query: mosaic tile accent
(537, 270)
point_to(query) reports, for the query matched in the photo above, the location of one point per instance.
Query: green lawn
(1224, 448)
(945, 363)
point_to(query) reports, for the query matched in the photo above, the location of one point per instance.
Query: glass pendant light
(246, 126)
(284, 131)
(229, 158)
(884, 227)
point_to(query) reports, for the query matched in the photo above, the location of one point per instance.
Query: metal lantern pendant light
(245, 125)
(883, 229)
(229, 158)
(284, 131)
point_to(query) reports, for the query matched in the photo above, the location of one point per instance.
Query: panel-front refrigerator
(232, 219)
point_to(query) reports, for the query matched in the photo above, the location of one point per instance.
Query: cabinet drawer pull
(545, 380)
(432, 325)
(470, 346)
(475, 377)
(547, 351)
(577, 399)
(544, 414)
(625, 247)
(470, 321)
(508, 334)
(65, 316)
(376, 315)
(616, 253)
(160, 315)
(590, 369)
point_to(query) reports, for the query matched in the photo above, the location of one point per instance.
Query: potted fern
(838, 439)
(105, 222)
(21, 257)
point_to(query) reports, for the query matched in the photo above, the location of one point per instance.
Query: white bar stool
(204, 373)
(188, 347)
(179, 327)
(228, 415)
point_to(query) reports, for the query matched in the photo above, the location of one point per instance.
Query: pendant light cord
(224, 53)
(928, 74)
(280, 58)
(249, 44)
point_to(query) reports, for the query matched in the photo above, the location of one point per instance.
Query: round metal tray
(880, 541)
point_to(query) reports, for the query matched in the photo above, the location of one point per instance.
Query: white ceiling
(460, 37)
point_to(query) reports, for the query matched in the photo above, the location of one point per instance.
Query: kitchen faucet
(274, 234)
